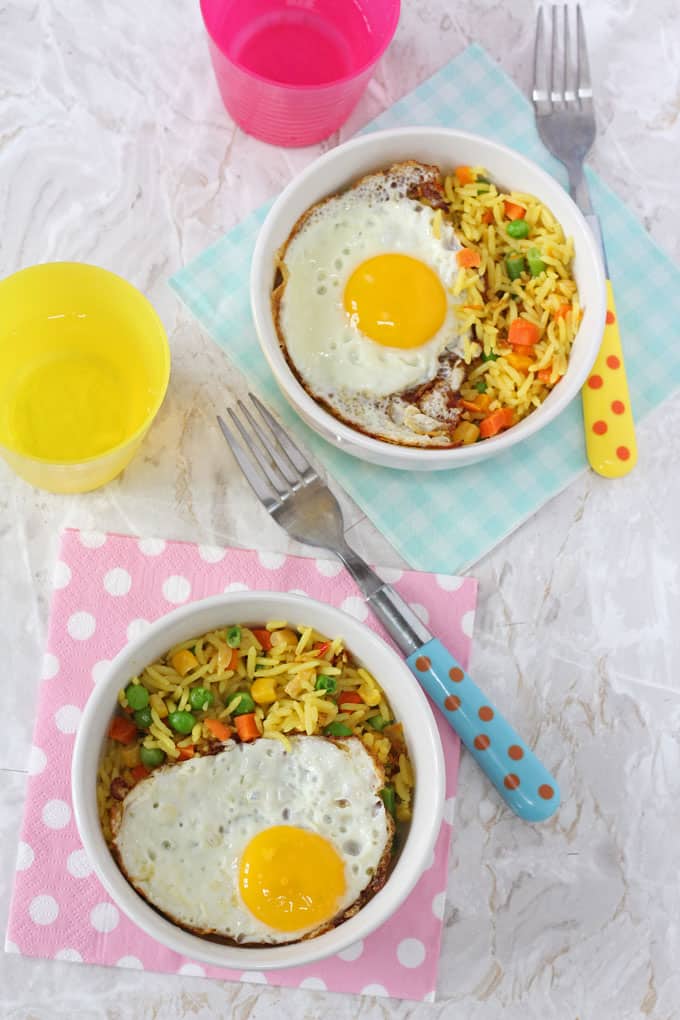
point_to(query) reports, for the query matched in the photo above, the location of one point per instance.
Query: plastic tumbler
(291, 71)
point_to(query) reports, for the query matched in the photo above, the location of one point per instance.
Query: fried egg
(257, 844)
(365, 309)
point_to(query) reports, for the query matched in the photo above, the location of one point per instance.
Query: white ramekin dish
(408, 702)
(446, 148)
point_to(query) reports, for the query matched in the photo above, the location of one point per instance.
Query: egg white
(184, 828)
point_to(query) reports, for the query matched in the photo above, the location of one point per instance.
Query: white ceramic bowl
(407, 700)
(340, 167)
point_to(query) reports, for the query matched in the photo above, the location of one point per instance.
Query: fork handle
(607, 414)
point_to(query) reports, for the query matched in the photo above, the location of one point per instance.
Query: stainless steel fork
(565, 118)
(302, 504)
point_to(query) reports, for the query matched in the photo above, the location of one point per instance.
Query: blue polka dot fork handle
(302, 504)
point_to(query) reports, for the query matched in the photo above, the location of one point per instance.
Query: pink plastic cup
(291, 71)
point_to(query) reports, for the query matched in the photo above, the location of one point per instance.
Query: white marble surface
(114, 148)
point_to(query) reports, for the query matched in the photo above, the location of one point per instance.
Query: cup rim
(164, 382)
(323, 86)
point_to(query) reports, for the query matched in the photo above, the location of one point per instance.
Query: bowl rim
(153, 318)
(352, 440)
(428, 816)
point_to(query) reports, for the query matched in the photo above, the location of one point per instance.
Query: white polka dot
(43, 909)
(25, 856)
(236, 586)
(92, 539)
(100, 668)
(271, 560)
(410, 952)
(50, 666)
(328, 568)
(255, 977)
(151, 546)
(356, 607)
(67, 718)
(104, 917)
(298, 591)
(374, 990)
(79, 864)
(449, 808)
(136, 628)
(421, 612)
(352, 952)
(62, 574)
(467, 623)
(313, 984)
(176, 589)
(37, 760)
(81, 626)
(439, 904)
(448, 582)
(191, 970)
(131, 962)
(69, 955)
(56, 814)
(117, 582)
(211, 553)
(11, 947)
(389, 574)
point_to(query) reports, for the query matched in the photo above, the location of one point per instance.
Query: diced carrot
(522, 362)
(123, 730)
(514, 211)
(464, 175)
(498, 420)
(350, 697)
(322, 647)
(139, 772)
(562, 312)
(488, 217)
(218, 729)
(523, 333)
(545, 375)
(186, 752)
(233, 662)
(467, 258)
(469, 405)
(264, 637)
(246, 727)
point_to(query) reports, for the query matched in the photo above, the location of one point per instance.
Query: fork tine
(264, 492)
(292, 453)
(290, 482)
(271, 472)
(584, 88)
(556, 94)
(541, 87)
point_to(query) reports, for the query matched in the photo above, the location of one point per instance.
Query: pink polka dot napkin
(108, 588)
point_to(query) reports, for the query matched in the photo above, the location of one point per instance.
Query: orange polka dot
(595, 382)
(599, 428)
(485, 713)
(511, 781)
(622, 452)
(456, 674)
(613, 361)
(546, 792)
(610, 317)
(452, 702)
(423, 663)
(482, 742)
(618, 406)
(515, 752)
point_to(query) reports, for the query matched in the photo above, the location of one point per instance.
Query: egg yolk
(398, 301)
(291, 878)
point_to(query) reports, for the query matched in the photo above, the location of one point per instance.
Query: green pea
(137, 696)
(514, 264)
(200, 699)
(518, 229)
(182, 722)
(536, 263)
(378, 722)
(389, 799)
(337, 729)
(151, 757)
(326, 683)
(142, 718)
(234, 637)
(480, 386)
(245, 705)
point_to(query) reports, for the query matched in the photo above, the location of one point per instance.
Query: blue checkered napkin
(489, 500)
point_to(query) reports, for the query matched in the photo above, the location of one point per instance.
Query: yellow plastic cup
(84, 367)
